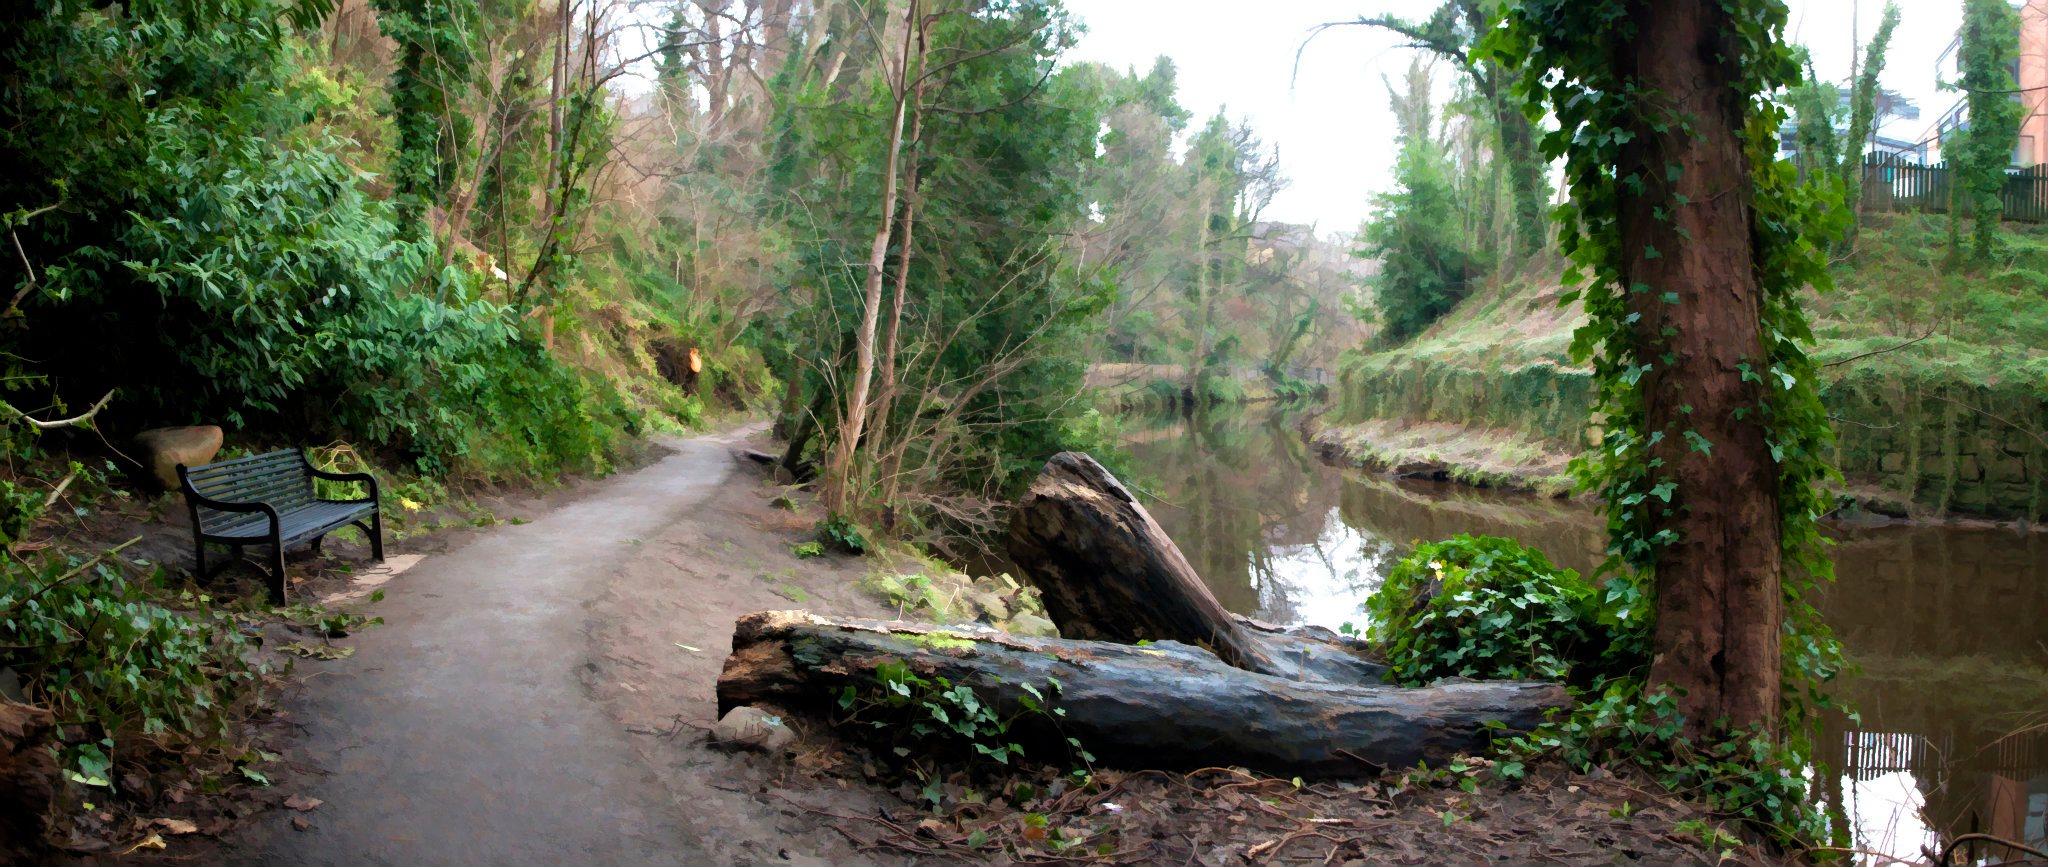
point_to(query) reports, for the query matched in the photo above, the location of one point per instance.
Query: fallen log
(1108, 572)
(1166, 705)
(29, 782)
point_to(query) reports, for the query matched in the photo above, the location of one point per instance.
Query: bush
(101, 650)
(1489, 608)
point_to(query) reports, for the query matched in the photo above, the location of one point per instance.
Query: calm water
(1949, 625)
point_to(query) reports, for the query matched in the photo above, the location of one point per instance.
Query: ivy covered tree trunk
(1687, 255)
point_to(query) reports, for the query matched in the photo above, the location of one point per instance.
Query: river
(1948, 624)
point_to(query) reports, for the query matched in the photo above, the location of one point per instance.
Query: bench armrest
(365, 478)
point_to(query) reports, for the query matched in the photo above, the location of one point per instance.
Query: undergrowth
(1491, 608)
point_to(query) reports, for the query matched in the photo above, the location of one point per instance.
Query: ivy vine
(1568, 54)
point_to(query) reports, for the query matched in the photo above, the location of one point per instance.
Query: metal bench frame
(278, 486)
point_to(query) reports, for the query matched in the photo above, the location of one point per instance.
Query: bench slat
(273, 491)
(223, 469)
(234, 474)
(242, 476)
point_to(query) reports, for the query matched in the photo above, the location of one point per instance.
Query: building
(2030, 70)
(1890, 107)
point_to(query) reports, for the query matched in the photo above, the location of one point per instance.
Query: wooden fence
(1892, 184)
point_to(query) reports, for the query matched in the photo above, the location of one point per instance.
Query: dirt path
(532, 697)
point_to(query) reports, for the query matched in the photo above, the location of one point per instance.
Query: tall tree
(1450, 33)
(429, 85)
(1863, 113)
(839, 468)
(1990, 37)
(1416, 232)
(1688, 238)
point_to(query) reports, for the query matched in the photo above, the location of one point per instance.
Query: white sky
(1332, 125)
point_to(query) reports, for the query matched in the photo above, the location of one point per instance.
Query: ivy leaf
(1699, 443)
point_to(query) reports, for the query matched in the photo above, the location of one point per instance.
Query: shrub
(101, 650)
(1489, 608)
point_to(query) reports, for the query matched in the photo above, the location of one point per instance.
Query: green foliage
(1417, 232)
(1983, 149)
(808, 550)
(1750, 775)
(934, 719)
(427, 84)
(230, 266)
(993, 339)
(1816, 111)
(1489, 608)
(844, 535)
(104, 653)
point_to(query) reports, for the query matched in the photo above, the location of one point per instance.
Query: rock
(1033, 625)
(752, 728)
(29, 782)
(164, 448)
(990, 604)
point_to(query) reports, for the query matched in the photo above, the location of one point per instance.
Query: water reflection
(1949, 625)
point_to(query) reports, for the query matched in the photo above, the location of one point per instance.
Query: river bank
(1940, 618)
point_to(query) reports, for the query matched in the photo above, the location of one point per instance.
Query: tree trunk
(890, 337)
(1719, 612)
(1517, 140)
(1525, 179)
(1167, 705)
(839, 471)
(1109, 573)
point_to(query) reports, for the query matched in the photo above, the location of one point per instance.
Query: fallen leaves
(319, 651)
(176, 826)
(302, 803)
(153, 842)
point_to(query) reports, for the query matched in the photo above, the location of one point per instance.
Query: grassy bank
(1937, 376)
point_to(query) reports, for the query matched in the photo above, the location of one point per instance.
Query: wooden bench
(268, 499)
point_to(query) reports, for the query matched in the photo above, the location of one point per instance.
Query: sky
(1331, 122)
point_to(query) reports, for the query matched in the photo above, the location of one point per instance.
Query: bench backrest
(281, 478)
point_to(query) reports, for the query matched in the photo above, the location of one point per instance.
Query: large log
(29, 782)
(1166, 705)
(1108, 572)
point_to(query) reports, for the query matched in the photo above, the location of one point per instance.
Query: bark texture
(1109, 573)
(28, 783)
(1719, 612)
(1167, 705)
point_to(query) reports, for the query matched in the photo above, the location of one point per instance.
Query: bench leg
(316, 544)
(199, 559)
(377, 534)
(277, 577)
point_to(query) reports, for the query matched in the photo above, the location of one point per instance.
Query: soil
(541, 691)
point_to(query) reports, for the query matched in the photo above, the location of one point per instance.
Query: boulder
(752, 728)
(991, 605)
(1032, 625)
(164, 448)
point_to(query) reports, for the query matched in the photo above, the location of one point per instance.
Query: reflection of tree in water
(1233, 487)
(1950, 628)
